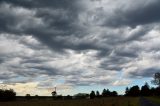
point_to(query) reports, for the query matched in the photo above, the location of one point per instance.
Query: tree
(153, 91)
(81, 95)
(54, 93)
(28, 96)
(92, 95)
(157, 91)
(145, 90)
(156, 80)
(133, 91)
(36, 96)
(7, 94)
(68, 97)
(127, 91)
(97, 94)
(114, 93)
(105, 92)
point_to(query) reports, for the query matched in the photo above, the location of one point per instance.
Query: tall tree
(156, 79)
(28, 96)
(145, 90)
(127, 91)
(104, 93)
(97, 94)
(92, 95)
(133, 91)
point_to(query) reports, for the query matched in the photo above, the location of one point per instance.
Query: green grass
(110, 101)
(154, 99)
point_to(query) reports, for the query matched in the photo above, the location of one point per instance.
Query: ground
(115, 101)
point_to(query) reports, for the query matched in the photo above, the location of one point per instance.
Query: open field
(110, 101)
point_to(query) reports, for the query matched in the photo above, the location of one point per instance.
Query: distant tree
(104, 93)
(92, 95)
(58, 97)
(54, 93)
(114, 93)
(145, 90)
(68, 97)
(36, 96)
(157, 90)
(81, 96)
(28, 96)
(108, 93)
(133, 91)
(97, 94)
(127, 92)
(153, 91)
(156, 79)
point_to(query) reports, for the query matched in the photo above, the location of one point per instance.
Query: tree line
(6, 94)
(145, 90)
(105, 93)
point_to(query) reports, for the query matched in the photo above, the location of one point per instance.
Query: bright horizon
(78, 45)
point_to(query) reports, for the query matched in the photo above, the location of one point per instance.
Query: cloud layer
(70, 43)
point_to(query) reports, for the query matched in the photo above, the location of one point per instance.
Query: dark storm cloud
(114, 63)
(89, 81)
(40, 3)
(146, 72)
(67, 24)
(46, 70)
(60, 18)
(136, 14)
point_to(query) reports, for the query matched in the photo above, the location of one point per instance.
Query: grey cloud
(40, 3)
(56, 27)
(46, 70)
(62, 20)
(79, 81)
(146, 72)
(5, 76)
(1, 60)
(145, 13)
(113, 63)
(55, 22)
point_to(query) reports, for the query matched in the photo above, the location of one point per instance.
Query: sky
(78, 45)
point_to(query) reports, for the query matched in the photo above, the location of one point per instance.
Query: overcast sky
(78, 45)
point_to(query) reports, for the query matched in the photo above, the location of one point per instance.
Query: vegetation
(156, 80)
(28, 96)
(92, 95)
(6, 94)
(144, 91)
(107, 97)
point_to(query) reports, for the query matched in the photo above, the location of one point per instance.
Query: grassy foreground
(154, 99)
(115, 101)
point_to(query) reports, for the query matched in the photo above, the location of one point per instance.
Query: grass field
(116, 101)
(154, 99)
